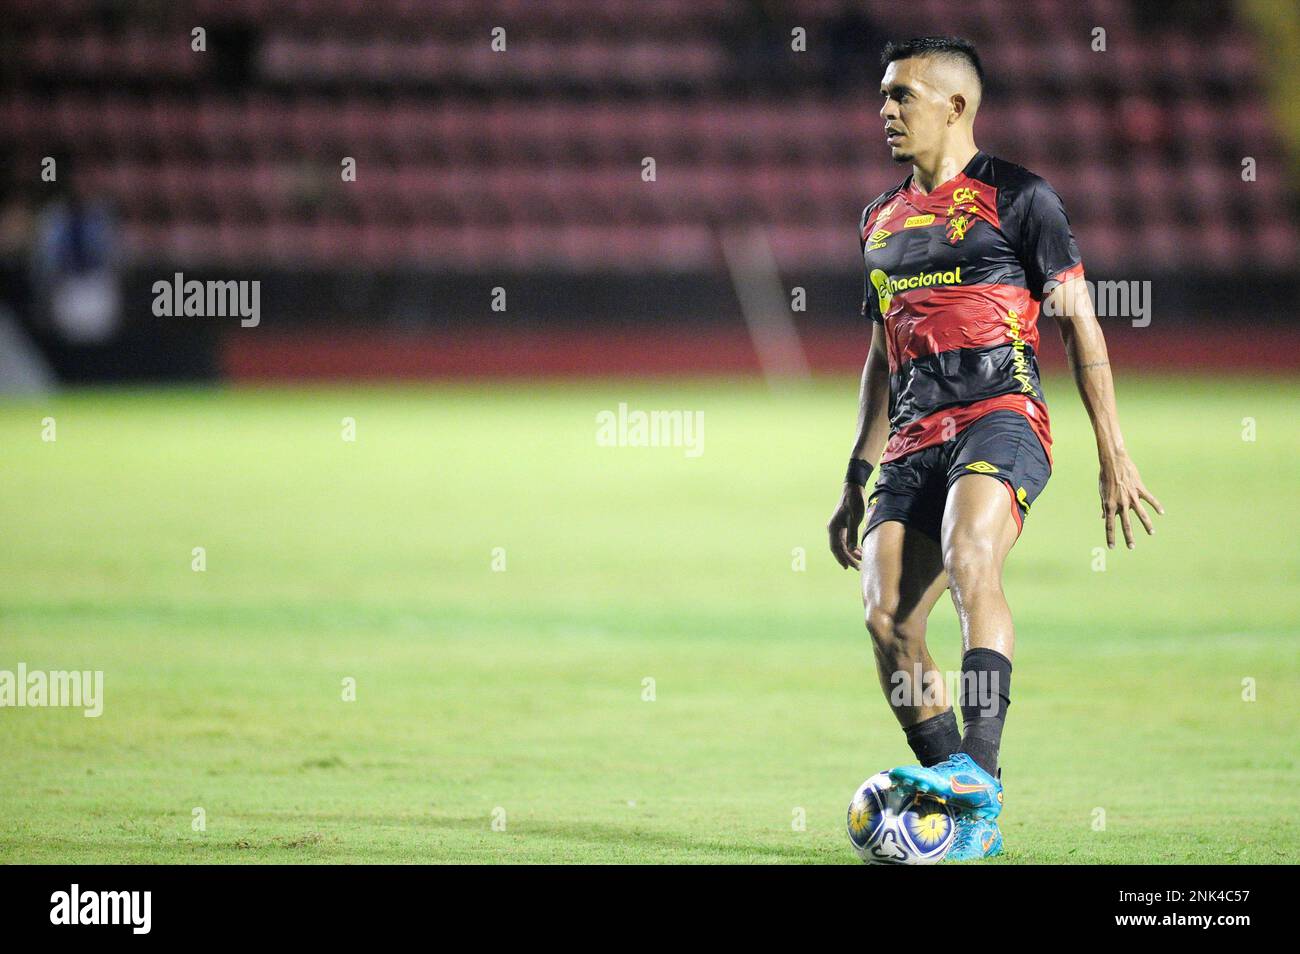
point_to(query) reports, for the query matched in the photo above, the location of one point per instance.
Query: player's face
(914, 111)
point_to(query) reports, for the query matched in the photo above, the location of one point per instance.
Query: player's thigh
(980, 527)
(997, 470)
(902, 577)
(1000, 453)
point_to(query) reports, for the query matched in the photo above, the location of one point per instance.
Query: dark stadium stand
(467, 156)
(477, 167)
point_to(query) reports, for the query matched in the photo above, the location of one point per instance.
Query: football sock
(935, 738)
(985, 695)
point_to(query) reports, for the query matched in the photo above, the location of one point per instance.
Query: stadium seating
(468, 157)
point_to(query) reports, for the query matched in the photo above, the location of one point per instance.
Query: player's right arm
(873, 430)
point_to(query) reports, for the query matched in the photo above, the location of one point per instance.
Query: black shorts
(914, 489)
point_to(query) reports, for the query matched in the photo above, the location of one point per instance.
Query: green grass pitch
(519, 694)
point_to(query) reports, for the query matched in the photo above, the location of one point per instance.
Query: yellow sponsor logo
(917, 221)
(877, 238)
(964, 195)
(982, 467)
(886, 286)
(880, 282)
(1018, 360)
(1023, 498)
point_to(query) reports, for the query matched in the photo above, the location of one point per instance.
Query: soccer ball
(890, 827)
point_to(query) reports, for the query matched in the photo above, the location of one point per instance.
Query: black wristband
(859, 472)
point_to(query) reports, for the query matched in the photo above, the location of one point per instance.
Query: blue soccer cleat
(958, 781)
(974, 838)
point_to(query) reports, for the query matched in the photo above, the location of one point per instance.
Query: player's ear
(956, 107)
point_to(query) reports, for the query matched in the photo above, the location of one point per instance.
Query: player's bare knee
(910, 633)
(893, 638)
(970, 562)
(880, 623)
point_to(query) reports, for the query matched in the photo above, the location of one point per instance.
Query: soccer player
(960, 259)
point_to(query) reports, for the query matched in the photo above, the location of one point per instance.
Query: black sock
(985, 695)
(935, 738)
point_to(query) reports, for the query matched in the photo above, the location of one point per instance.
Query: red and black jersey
(957, 277)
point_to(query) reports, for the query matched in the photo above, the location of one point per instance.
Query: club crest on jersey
(961, 214)
(957, 227)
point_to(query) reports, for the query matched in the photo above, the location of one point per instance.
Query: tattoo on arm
(1093, 364)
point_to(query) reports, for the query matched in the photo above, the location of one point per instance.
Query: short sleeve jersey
(957, 277)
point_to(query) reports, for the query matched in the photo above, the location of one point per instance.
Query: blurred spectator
(75, 263)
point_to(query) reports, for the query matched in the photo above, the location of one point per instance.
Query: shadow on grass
(387, 839)
(635, 839)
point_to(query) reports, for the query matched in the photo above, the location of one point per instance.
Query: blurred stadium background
(522, 169)
(524, 693)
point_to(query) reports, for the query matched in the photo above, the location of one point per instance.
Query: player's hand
(843, 528)
(1122, 490)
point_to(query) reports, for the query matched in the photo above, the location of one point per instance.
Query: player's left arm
(1120, 484)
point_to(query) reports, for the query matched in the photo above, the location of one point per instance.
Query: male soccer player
(960, 259)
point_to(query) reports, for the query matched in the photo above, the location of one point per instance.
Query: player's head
(931, 87)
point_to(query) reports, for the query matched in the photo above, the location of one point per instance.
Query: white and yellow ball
(888, 826)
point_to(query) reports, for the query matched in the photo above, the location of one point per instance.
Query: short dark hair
(950, 46)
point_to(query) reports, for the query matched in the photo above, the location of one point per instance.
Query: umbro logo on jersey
(877, 239)
(982, 467)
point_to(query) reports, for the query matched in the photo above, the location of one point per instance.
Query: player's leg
(978, 532)
(997, 469)
(902, 579)
(979, 529)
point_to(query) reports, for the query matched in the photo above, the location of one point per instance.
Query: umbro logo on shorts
(982, 467)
